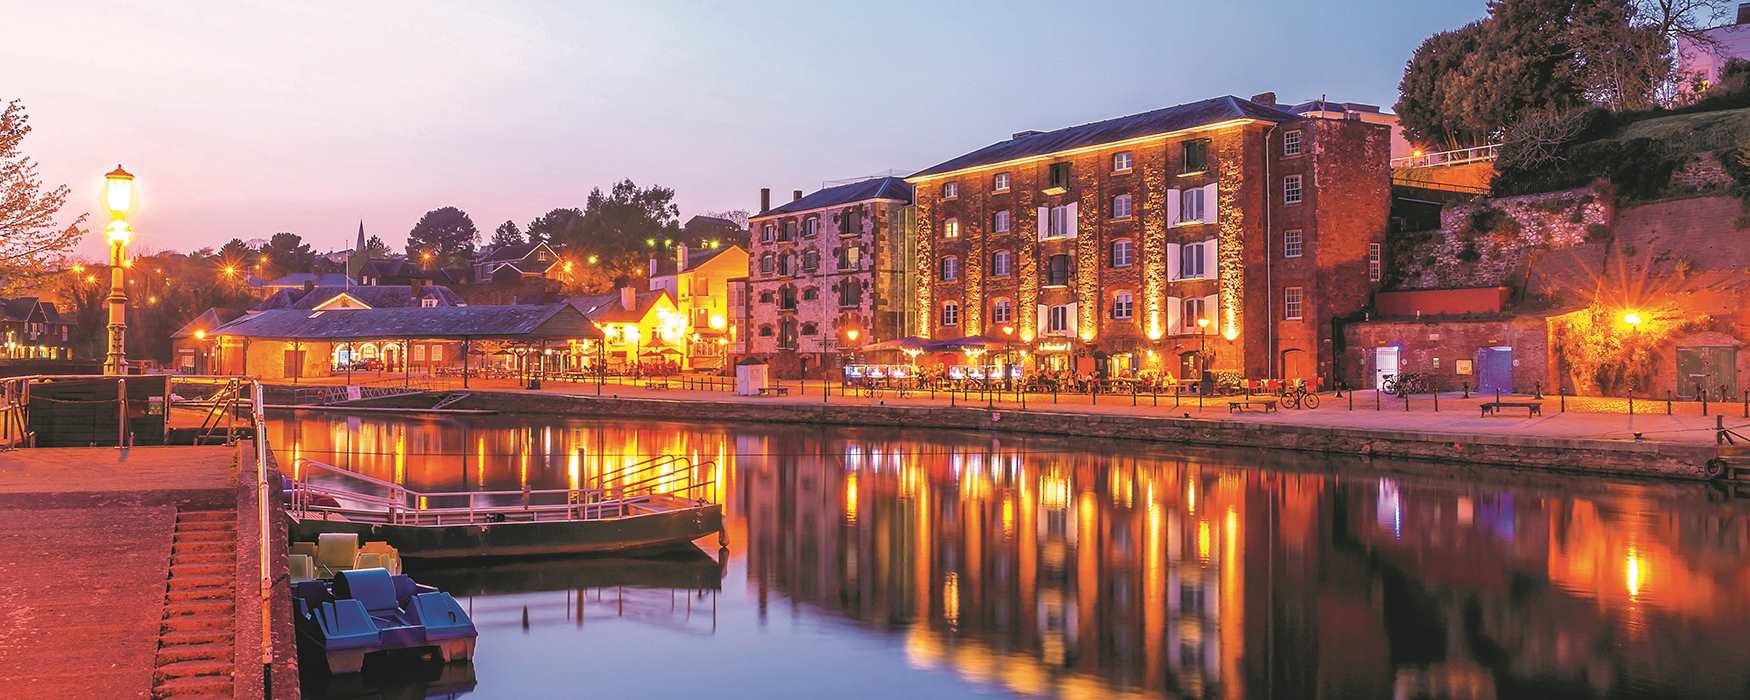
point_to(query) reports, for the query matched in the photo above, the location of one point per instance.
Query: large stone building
(827, 272)
(1224, 234)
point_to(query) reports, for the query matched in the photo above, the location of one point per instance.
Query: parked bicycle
(1298, 396)
(1402, 385)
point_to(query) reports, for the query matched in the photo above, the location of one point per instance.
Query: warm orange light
(1203, 323)
(1632, 318)
(119, 232)
(1008, 330)
(230, 270)
(200, 334)
(119, 192)
(852, 334)
(1230, 333)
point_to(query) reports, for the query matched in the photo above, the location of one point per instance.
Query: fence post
(1436, 393)
(1703, 393)
(1667, 402)
(1351, 399)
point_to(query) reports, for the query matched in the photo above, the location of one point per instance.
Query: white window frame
(1001, 221)
(1123, 161)
(1002, 310)
(1191, 205)
(1059, 225)
(999, 182)
(1057, 320)
(1293, 243)
(1291, 190)
(1189, 319)
(1006, 268)
(1123, 306)
(950, 190)
(1375, 262)
(950, 268)
(811, 227)
(1191, 260)
(767, 233)
(950, 313)
(1291, 303)
(1124, 211)
(950, 228)
(1291, 143)
(1128, 258)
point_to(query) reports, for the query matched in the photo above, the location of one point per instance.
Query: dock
(135, 573)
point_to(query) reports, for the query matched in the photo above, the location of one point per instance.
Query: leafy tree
(447, 234)
(235, 252)
(287, 252)
(548, 226)
(31, 241)
(626, 225)
(1429, 93)
(375, 248)
(507, 234)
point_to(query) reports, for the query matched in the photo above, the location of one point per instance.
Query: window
(810, 329)
(850, 293)
(1059, 177)
(1194, 311)
(848, 257)
(810, 293)
(766, 331)
(1291, 243)
(1057, 320)
(999, 222)
(428, 303)
(1123, 253)
(999, 182)
(1194, 156)
(1057, 271)
(418, 352)
(766, 233)
(1191, 261)
(766, 262)
(950, 228)
(1290, 144)
(1191, 205)
(1123, 305)
(810, 260)
(787, 264)
(1121, 162)
(1291, 304)
(1001, 263)
(1002, 311)
(787, 298)
(1121, 206)
(1059, 224)
(767, 296)
(810, 226)
(788, 232)
(851, 221)
(437, 353)
(787, 334)
(1291, 189)
(950, 269)
(950, 314)
(1374, 263)
(950, 190)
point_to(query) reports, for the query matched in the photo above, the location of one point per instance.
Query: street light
(1202, 345)
(1632, 318)
(119, 197)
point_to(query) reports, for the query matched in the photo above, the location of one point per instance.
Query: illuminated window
(950, 269)
(1194, 156)
(1123, 253)
(1191, 204)
(1290, 144)
(1291, 189)
(950, 228)
(1194, 309)
(950, 190)
(1121, 161)
(1123, 305)
(1291, 304)
(950, 314)
(1375, 264)
(1121, 206)
(1001, 263)
(1291, 243)
(1002, 311)
(1057, 320)
(1191, 261)
(999, 222)
(999, 182)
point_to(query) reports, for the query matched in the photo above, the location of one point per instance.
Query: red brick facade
(1344, 182)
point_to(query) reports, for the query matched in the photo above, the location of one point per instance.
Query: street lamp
(200, 338)
(119, 197)
(1202, 344)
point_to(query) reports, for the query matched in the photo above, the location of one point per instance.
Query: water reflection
(886, 563)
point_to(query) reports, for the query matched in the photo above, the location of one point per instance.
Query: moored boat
(368, 611)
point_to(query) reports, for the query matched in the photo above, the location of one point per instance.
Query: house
(706, 230)
(299, 280)
(1372, 114)
(524, 261)
(194, 346)
(393, 270)
(698, 279)
(1700, 58)
(1223, 234)
(639, 329)
(33, 328)
(828, 272)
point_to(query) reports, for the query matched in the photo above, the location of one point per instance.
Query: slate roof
(210, 319)
(516, 322)
(1330, 106)
(712, 221)
(606, 308)
(666, 265)
(374, 296)
(297, 279)
(511, 252)
(874, 188)
(1193, 114)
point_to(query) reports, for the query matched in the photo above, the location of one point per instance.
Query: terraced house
(827, 272)
(1222, 234)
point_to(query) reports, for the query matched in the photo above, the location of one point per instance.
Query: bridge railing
(1460, 156)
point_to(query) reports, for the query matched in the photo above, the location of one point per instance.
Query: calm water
(919, 564)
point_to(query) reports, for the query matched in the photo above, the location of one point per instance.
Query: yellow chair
(336, 551)
(385, 555)
(302, 567)
(305, 548)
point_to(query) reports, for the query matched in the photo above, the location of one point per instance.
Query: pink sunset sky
(242, 119)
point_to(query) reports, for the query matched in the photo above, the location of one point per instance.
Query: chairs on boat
(378, 554)
(301, 566)
(334, 552)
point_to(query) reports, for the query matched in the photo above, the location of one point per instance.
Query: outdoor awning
(520, 322)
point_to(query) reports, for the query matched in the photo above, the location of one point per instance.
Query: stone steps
(196, 638)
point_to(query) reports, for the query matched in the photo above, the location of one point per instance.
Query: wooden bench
(774, 391)
(1532, 408)
(657, 384)
(1237, 406)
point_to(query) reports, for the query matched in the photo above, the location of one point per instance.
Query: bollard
(1351, 400)
(1466, 385)
(1406, 402)
(1564, 395)
(1094, 393)
(1667, 402)
(1631, 402)
(1436, 401)
(1703, 402)
(1133, 394)
(1747, 403)
(1155, 393)
(1376, 399)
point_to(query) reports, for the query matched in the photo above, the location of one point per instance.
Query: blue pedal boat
(366, 611)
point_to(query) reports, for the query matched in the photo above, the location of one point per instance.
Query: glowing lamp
(118, 191)
(1632, 318)
(852, 334)
(1230, 333)
(1203, 324)
(1008, 330)
(718, 322)
(1026, 336)
(1087, 336)
(200, 334)
(119, 232)
(592, 259)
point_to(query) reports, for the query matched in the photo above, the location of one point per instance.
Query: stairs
(196, 640)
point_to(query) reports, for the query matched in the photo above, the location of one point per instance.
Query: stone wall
(1434, 346)
(1460, 255)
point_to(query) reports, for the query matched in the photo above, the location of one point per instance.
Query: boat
(651, 506)
(361, 612)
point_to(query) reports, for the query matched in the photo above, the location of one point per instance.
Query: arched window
(766, 261)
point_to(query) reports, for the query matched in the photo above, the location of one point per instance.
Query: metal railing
(1460, 156)
(654, 484)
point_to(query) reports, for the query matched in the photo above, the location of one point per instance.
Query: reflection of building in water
(676, 592)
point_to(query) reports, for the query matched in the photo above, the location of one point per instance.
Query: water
(924, 564)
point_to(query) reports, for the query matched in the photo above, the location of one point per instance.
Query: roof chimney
(680, 257)
(1024, 134)
(1268, 99)
(1744, 13)
(629, 298)
(765, 199)
(795, 195)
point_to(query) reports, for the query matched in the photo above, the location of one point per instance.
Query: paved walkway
(1584, 417)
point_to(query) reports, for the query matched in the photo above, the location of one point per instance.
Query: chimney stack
(629, 298)
(765, 199)
(795, 195)
(1268, 99)
(1744, 13)
(680, 257)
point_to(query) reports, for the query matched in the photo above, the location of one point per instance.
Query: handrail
(1457, 156)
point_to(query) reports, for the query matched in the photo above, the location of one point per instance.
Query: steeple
(360, 248)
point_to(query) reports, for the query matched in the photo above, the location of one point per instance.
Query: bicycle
(1405, 384)
(1300, 397)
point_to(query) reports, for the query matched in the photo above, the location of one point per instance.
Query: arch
(1297, 364)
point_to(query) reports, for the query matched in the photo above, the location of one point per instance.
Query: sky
(241, 119)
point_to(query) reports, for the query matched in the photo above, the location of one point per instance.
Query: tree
(507, 234)
(546, 227)
(287, 252)
(736, 216)
(1425, 107)
(626, 223)
(375, 248)
(235, 252)
(31, 240)
(446, 234)
(1621, 64)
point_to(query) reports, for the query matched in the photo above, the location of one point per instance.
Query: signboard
(1463, 367)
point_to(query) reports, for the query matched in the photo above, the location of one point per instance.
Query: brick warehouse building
(827, 272)
(1103, 244)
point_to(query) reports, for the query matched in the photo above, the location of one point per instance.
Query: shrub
(1469, 253)
(1742, 222)
(1597, 232)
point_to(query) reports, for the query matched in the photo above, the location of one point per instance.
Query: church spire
(360, 248)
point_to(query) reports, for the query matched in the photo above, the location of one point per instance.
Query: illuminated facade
(828, 272)
(639, 328)
(699, 282)
(34, 328)
(1224, 234)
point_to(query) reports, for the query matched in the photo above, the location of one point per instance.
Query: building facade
(34, 329)
(698, 279)
(828, 272)
(1224, 234)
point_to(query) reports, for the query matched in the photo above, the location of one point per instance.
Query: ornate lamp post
(119, 197)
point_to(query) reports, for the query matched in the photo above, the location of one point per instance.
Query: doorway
(1385, 364)
(1495, 369)
(1297, 366)
(1711, 368)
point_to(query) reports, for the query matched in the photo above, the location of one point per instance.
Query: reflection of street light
(119, 196)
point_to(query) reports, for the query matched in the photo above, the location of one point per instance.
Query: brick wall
(1433, 347)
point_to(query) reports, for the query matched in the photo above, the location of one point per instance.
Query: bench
(1238, 406)
(774, 391)
(657, 384)
(1532, 408)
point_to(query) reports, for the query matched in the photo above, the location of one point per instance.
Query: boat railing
(393, 503)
